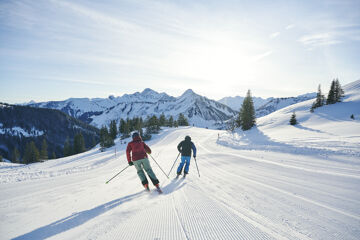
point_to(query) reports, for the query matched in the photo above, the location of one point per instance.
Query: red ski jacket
(138, 149)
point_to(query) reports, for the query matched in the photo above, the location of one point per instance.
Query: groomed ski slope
(274, 181)
(241, 194)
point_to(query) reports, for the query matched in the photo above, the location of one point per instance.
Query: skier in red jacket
(136, 152)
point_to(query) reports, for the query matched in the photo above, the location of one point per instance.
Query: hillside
(22, 124)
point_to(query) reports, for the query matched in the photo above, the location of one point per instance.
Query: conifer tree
(122, 126)
(339, 92)
(320, 100)
(53, 156)
(246, 118)
(352, 117)
(176, 124)
(170, 121)
(182, 121)
(293, 120)
(44, 151)
(79, 143)
(15, 157)
(67, 148)
(1, 158)
(105, 139)
(31, 153)
(162, 120)
(331, 95)
(113, 129)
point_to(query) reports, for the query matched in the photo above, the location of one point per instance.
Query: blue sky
(53, 49)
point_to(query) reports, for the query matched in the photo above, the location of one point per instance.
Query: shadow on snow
(75, 219)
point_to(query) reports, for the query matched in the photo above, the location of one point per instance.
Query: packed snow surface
(275, 181)
(240, 194)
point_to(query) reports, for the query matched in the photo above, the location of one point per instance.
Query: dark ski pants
(184, 160)
(144, 164)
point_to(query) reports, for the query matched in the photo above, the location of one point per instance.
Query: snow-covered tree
(246, 118)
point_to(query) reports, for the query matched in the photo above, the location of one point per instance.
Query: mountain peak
(188, 93)
(149, 91)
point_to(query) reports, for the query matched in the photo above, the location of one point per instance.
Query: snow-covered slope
(199, 110)
(240, 194)
(329, 128)
(275, 181)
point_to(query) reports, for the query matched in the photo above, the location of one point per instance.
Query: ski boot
(158, 188)
(146, 186)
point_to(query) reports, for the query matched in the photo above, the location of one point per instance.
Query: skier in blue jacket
(185, 148)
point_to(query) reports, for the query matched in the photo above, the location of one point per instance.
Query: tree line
(336, 93)
(151, 124)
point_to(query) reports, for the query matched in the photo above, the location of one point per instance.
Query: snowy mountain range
(236, 102)
(199, 110)
(266, 106)
(275, 104)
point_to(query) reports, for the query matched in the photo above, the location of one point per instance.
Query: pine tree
(170, 121)
(352, 117)
(246, 117)
(320, 100)
(44, 151)
(105, 139)
(176, 124)
(339, 92)
(162, 120)
(53, 156)
(79, 143)
(113, 129)
(182, 121)
(15, 157)
(31, 153)
(67, 148)
(293, 120)
(331, 95)
(1, 158)
(122, 126)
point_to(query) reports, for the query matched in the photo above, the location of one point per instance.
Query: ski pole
(173, 164)
(158, 165)
(197, 166)
(117, 174)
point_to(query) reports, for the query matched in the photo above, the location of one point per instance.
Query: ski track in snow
(239, 196)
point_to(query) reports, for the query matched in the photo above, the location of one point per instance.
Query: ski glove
(131, 163)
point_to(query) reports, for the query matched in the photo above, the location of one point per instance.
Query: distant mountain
(199, 110)
(22, 124)
(236, 102)
(278, 103)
